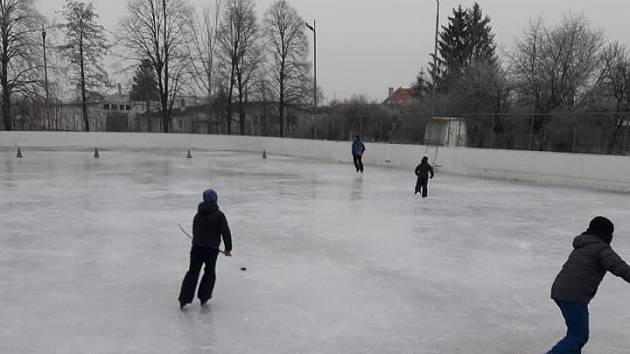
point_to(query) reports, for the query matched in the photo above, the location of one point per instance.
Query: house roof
(401, 96)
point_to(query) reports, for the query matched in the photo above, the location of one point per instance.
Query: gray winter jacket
(581, 275)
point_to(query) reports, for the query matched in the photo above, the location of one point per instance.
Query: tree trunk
(613, 143)
(241, 106)
(210, 102)
(241, 111)
(83, 94)
(165, 112)
(228, 118)
(281, 117)
(6, 98)
(6, 110)
(241, 117)
(281, 104)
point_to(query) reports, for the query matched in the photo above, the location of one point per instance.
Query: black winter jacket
(581, 275)
(423, 170)
(209, 225)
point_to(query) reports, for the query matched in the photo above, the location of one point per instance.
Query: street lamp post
(313, 28)
(47, 115)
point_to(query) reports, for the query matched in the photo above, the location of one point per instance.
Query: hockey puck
(243, 269)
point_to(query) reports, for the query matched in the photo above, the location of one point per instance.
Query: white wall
(591, 171)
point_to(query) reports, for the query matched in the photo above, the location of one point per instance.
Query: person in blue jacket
(357, 153)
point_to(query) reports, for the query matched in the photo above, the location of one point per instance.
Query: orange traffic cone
(19, 153)
(189, 155)
(96, 155)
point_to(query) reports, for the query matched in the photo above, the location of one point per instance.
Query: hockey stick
(190, 237)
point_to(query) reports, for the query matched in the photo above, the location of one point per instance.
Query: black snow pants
(199, 256)
(358, 163)
(421, 186)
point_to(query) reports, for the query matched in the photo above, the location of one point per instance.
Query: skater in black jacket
(424, 171)
(209, 226)
(576, 284)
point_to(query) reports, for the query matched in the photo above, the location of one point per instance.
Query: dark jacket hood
(586, 239)
(207, 209)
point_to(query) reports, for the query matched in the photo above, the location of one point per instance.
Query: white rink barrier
(611, 173)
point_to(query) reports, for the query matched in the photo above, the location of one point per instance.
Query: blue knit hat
(210, 196)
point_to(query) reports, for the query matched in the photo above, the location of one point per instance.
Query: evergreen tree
(420, 86)
(144, 87)
(466, 39)
(451, 49)
(480, 43)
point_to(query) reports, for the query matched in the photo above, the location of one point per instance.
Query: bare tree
(202, 50)
(483, 87)
(615, 87)
(247, 72)
(556, 67)
(19, 52)
(237, 43)
(203, 46)
(159, 30)
(84, 47)
(288, 49)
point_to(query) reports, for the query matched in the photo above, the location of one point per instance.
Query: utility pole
(435, 52)
(313, 28)
(47, 115)
(435, 60)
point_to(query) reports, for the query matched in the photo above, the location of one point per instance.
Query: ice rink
(92, 259)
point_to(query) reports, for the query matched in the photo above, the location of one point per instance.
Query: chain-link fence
(597, 133)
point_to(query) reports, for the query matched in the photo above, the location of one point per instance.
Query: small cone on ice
(96, 155)
(264, 154)
(19, 153)
(189, 155)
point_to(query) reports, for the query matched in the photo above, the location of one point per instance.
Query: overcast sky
(366, 46)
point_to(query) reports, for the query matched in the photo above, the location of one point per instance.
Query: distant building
(400, 97)
(121, 113)
(105, 112)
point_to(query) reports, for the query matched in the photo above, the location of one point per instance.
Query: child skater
(209, 226)
(424, 171)
(576, 284)
(358, 149)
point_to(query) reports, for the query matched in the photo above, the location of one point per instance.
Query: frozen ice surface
(91, 258)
